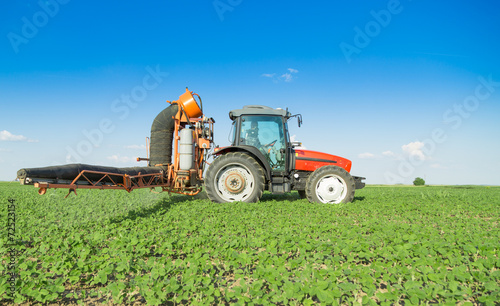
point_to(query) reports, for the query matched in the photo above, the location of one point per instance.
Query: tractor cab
(265, 129)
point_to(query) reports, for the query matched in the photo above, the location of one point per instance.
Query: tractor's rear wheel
(234, 177)
(331, 185)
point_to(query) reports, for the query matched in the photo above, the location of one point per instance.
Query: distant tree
(419, 181)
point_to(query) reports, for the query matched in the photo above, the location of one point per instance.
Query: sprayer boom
(180, 131)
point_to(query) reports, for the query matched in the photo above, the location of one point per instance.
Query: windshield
(266, 134)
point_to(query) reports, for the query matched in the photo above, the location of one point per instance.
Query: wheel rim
(331, 189)
(234, 182)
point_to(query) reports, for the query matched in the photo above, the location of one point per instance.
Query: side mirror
(296, 144)
(299, 119)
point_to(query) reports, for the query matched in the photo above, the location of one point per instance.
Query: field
(392, 245)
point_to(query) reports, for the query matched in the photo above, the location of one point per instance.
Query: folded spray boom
(180, 131)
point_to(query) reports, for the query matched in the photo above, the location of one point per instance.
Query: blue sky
(402, 88)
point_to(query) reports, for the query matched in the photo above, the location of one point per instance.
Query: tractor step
(358, 181)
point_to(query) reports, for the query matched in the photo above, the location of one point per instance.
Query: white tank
(186, 150)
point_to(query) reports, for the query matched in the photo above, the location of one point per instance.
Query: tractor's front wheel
(331, 185)
(234, 177)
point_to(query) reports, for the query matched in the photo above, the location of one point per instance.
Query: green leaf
(325, 296)
(323, 285)
(491, 286)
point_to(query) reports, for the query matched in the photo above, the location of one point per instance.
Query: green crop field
(392, 245)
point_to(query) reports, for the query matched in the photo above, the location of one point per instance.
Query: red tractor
(262, 157)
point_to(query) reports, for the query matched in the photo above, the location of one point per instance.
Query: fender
(253, 151)
(308, 160)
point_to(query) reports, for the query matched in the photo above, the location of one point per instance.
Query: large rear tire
(233, 177)
(330, 185)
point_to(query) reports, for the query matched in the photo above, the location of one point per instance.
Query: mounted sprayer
(181, 129)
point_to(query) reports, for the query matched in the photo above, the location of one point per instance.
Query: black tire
(233, 177)
(302, 194)
(330, 184)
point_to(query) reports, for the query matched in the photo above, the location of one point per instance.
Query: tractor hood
(308, 160)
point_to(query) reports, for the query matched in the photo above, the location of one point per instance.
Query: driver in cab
(252, 135)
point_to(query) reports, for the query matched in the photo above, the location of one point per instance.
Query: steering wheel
(270, 144)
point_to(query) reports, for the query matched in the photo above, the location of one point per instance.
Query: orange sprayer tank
(189, 104)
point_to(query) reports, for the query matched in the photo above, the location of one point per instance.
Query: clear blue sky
(402, 88)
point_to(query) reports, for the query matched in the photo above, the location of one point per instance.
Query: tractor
(261, 157)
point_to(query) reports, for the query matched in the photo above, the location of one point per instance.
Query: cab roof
(258, 110)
